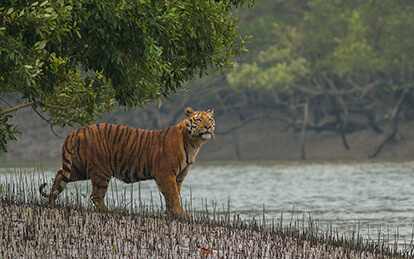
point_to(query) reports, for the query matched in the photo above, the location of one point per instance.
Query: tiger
(102, 151)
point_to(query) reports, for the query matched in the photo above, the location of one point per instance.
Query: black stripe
(179, 164)
(163, 141)
(106, 173)
(116, 134)
(98, 127)
(102, 177)
(103, 135)
(120, 150)
(123, 148)
(139, 147)
(157, 162)
(65, 179)
(98, 140)
(65, 149)
(89, 138)
(132, 151)
(67, 169)
(142, 149)
(186, 155)
(144, 171)
(68, 141)
(129, 133)
(122, 170)
(149, 141)
(110, 129)
(121, 134)
(127, 179)
(107, 150)
(136, 174)
(115, 167)
(148, 149)
(66, 160)
(85, 144)
(78, 145)
(166, 132)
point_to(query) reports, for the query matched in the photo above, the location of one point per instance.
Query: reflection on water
(364, 197)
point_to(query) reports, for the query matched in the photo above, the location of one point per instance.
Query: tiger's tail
(41, 187)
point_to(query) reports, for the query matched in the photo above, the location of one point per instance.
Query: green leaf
(41, 45)
(44, 3)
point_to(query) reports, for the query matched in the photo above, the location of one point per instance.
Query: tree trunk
(303, 130)
(394, 119)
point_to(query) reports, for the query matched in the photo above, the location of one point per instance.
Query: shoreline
(34, 230)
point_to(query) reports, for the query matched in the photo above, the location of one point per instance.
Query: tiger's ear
(188, 111)
(210, 111)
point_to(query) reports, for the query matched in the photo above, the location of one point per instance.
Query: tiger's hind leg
(99, 188)
(61, 180)
(57, 187)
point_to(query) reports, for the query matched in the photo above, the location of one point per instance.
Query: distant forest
(312, 67)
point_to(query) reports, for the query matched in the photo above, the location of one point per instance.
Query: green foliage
(78, 100)
(7, 131)
(274, 68)
(358, 40)
(354, 57)
(349, 41)
(73, 60)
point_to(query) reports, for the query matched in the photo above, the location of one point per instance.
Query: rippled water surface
(365, 197)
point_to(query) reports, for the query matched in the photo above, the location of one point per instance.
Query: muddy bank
(267, 141)
(36, 231)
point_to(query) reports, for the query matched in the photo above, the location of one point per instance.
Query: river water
(370, 198)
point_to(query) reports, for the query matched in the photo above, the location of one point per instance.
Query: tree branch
(57, 107)
(18, 107)
(48, 121)
(31, 103)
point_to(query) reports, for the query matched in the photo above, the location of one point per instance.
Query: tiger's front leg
(99, 188)
(168, 187)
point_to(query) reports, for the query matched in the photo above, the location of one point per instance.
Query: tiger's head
(200, 124)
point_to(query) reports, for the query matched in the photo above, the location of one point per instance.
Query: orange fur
(102, 151)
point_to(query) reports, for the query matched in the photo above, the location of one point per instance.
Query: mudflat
(36, 231)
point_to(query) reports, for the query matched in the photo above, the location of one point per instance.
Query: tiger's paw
(181, 215)
(184, 215)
